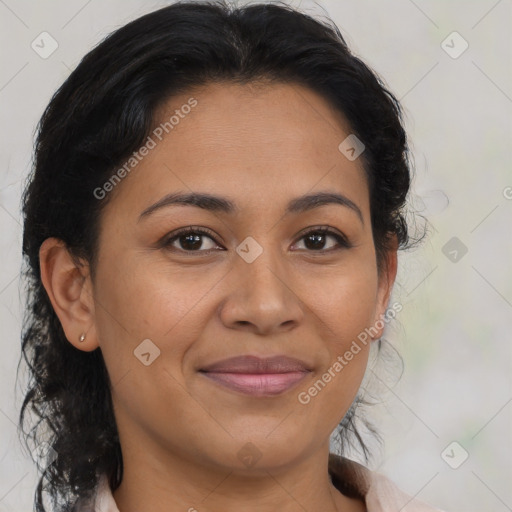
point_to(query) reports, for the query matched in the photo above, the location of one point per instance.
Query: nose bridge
(261, 294)
(261, 268)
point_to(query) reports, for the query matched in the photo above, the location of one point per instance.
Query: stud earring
(81, 338)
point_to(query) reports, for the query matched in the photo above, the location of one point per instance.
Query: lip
(254, 364)
(256, 376)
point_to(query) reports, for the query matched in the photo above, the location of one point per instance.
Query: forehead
(273, 141)
(254, 114)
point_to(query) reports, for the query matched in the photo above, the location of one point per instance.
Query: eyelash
(324, 230)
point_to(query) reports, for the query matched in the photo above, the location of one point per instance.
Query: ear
(386, 280)
(69, 287)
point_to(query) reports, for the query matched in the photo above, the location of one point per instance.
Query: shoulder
(378, 491)
(383, 493)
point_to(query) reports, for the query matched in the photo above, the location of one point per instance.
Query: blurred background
(447, 424)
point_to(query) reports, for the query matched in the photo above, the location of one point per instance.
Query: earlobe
(68, 286)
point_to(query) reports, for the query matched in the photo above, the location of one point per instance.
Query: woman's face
(167, 307)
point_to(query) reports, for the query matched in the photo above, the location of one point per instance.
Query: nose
(262, 297)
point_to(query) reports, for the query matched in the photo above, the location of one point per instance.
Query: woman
(211, 234)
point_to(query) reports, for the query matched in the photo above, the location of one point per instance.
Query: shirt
(378, 491)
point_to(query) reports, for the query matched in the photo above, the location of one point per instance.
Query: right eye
(190, 239)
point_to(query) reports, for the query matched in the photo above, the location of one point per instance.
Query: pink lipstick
(258, 376)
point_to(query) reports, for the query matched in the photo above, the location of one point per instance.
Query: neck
(162, 481)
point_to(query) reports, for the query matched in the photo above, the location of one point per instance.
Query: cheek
(146, 301)
(344, 308)
(137, 302)
(345, 303)
(149, 305)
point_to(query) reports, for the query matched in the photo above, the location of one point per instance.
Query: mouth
(256, 376)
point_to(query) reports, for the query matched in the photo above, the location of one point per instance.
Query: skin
(181, 434)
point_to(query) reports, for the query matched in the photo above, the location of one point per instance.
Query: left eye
(318, 236)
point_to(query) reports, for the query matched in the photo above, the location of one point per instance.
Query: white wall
(454, 331)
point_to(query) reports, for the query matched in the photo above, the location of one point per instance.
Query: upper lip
(254, 365)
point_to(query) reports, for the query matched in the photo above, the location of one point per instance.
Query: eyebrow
(223, 205)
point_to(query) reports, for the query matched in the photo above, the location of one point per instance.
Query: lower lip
(265, 384)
